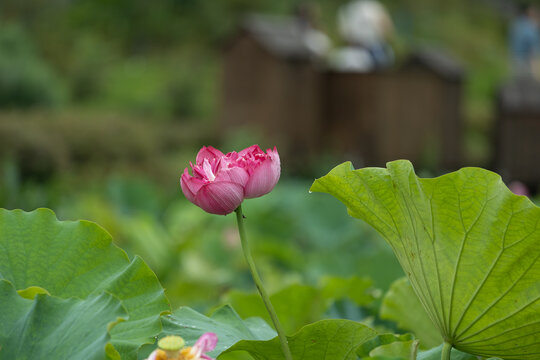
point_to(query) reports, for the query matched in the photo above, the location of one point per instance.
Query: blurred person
(314, 39)
(525, 42)
(365, 25)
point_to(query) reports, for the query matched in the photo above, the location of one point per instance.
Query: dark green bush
(43, 144)
(25, 79)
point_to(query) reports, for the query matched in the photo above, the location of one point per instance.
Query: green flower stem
(446, 349)
(266, 299)
(414, 349)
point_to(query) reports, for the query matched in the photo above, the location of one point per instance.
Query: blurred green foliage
(140, 84)
(297, 237)
(163, 59)
(25, 78)
(43, 145)
(300, 305)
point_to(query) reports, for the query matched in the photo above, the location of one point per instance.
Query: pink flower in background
(220, 182)
(519, 188)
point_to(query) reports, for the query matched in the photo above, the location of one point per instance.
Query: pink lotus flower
(207, 342)
(221, 182)
(175, 350)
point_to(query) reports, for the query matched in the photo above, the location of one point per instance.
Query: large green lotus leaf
(323, 340)
(77, 259)
(224, 322)
(48, 327)
(401, 305)
(467, 244)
